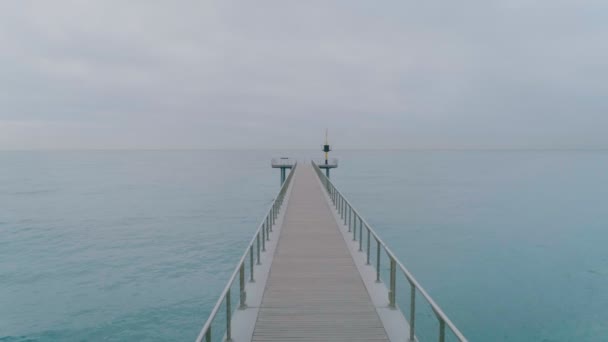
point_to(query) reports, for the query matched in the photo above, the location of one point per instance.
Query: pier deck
(312, 272)
(314, 291)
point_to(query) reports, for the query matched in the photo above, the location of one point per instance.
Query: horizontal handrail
(342, 204)
(263, 231)
(282, 162)
(330, 161)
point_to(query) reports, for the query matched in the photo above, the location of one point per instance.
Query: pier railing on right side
(357, 225)
(330, 161)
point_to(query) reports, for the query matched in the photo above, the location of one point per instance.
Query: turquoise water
(122, 246)
(512, 245)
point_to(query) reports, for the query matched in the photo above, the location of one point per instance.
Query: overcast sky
(259, 74)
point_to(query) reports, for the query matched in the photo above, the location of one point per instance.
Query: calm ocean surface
(137, 245)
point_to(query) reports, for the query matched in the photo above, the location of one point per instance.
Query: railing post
(337, 202)
(347, 218)
(441, 330)
(346, 214)
(228, 317)
(251, 280)
(270, 225)
(355, 228)
(258, 243)
(263, 239)
(368, 245)
(377, 260)
(360, 234)
(412, 311)
(392, 293)
(243, 294)
(208, 335)
(268, 233)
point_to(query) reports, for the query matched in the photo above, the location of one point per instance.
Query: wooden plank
(314, 291)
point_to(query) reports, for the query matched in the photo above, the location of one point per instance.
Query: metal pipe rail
(261, 235)
(330, 161)
(353, 219)
(282, 162)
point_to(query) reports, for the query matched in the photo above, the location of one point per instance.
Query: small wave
(34, 192)
(595, 272)
(16, 339)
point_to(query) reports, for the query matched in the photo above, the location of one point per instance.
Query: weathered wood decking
(314, 291)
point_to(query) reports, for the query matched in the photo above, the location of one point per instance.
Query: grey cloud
(171, 74)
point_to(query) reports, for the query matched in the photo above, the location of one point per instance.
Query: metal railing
(282, 162)
(255, 247)
(352, 219)
(330, 161)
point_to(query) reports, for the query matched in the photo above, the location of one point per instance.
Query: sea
(138, 245)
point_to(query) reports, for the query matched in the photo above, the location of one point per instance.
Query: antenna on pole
(326, 148)
(327, 165)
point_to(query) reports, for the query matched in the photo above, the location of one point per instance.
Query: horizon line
(307, 149)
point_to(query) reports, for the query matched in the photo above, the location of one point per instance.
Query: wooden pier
(314, 291)
(312, 273)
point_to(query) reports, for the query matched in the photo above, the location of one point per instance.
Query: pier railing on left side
(252, 256)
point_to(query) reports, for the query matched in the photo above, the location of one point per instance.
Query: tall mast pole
(326, 148)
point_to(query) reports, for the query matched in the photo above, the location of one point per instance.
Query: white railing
(282, 162)
(331, 161)
(256, 246)
(352, 219)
